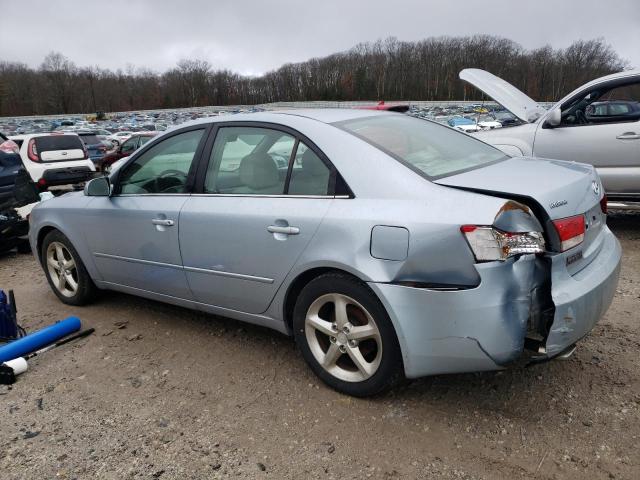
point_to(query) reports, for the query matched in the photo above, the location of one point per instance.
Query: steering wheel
(581, 117)
(170, 181)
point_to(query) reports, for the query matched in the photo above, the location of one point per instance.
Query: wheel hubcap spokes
(62, 269)
(343, 337)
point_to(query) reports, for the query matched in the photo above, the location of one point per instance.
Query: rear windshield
(90, 139)
(431, 149)
(58, 142)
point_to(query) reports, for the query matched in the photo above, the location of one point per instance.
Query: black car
(13, 227)
(10, 164)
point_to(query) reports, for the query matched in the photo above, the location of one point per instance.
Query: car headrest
(312, 165)
(258, 171)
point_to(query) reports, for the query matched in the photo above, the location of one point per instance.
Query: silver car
(598, 123)
(388, 246)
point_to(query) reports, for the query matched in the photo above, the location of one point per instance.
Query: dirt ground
(164, 392)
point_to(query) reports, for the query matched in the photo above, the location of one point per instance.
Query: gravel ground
(164, 392)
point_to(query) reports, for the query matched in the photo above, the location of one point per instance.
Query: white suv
(55, 158)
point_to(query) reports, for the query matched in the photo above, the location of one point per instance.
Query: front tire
(346, 336)
(65, 271)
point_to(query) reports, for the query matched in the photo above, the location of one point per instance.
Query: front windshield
(433, 150)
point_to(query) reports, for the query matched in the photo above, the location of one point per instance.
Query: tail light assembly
(570, 231)
(603, 204)
(32, 151)
(490, 244)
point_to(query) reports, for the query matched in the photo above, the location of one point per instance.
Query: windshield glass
(431, 149)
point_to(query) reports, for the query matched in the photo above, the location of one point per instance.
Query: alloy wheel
(62, 269)
(343, 337)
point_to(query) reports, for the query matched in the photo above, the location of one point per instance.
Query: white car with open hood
(598, 123)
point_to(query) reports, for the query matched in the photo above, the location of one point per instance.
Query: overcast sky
(252, 37)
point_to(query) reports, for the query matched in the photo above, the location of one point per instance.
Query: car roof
(324, 115)
(332, 115)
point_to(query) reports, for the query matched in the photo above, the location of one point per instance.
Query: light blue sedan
(388, 246)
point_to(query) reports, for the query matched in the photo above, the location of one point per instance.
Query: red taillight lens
(9, 147)
(32, 152)
(571, 231)
(603, 204)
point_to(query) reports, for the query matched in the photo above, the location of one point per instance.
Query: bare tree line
(386, 69)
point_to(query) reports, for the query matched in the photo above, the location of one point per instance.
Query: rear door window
(249, 161)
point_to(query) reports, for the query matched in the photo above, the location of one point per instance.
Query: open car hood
(522, 106)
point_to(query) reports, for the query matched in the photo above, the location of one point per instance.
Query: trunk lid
(521, 105)
(553, 189)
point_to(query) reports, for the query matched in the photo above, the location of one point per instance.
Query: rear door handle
(628, 136)
(283, 230)
(163, 222)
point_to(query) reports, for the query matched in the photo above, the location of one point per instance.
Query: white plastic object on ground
(18, 365)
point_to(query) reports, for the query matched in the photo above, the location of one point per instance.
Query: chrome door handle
(163, 222)
(628, 136)
(283, 230)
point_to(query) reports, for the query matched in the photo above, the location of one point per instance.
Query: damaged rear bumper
(581, 300)
(484, 328)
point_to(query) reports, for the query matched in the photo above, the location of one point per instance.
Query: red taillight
(42, 182)
(9, 147)
(32, 152)
(603, 204)
(571, 231)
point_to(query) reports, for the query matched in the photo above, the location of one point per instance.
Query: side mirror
(98, 187)
(554, 118)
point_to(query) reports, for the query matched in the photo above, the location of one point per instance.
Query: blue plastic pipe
(39, 339)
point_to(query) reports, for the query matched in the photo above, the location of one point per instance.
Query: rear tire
(346, 336)
(65, 271)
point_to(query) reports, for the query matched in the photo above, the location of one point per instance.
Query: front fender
(45, 218)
